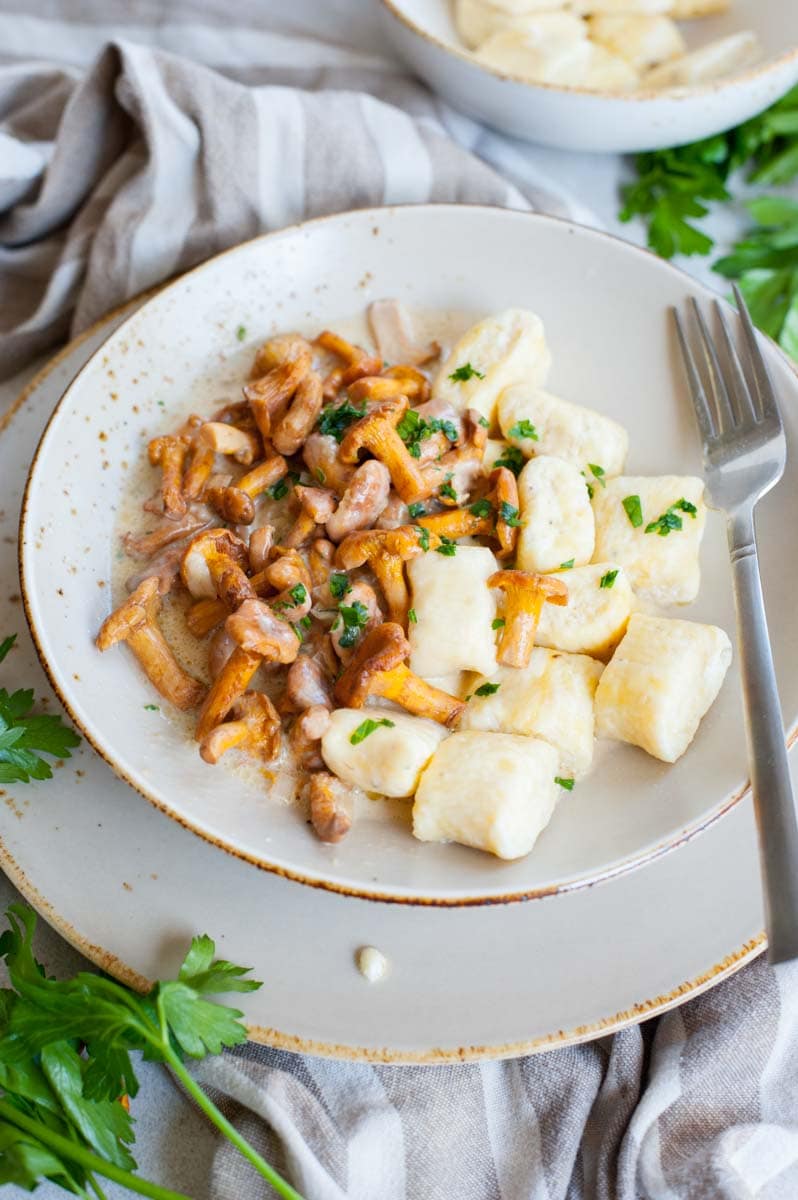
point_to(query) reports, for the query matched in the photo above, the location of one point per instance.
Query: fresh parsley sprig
(25, 735)
(61, 1116)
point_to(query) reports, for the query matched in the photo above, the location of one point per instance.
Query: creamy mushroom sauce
(443, 326)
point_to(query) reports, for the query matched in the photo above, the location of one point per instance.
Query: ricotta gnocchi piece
(661, 682)
(652, 526)
(387, 759)
(477, 20)
(557, 519)
(492, 791)
(455, 610)
(551, 699)
(539, 423)
(492, 355)
(600, 602)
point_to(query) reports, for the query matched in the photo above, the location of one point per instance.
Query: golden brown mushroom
(214, 566)
(316, 506)
(135, 622)
(360, 603)
(260, 546)
(377, 434)
(270, 394)
(398, 381)
(256, 729)
(320, 453)
(242, 445)
(300, 417)
(307, 685)
(257, 629)
(329, 806)
(503, 496)
(524, 596)
(205, 615)
(378, 669)
(386, 551)
(305, 736)
(476, 521)
(145, 545)
(284, 348)
(169, 453)
(235, 502)
(358, 362)
(392, 329)
(463, 463)
(320, 564)
(363, 501)
(231, 683)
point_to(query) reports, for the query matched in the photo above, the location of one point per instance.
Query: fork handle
(774, 802)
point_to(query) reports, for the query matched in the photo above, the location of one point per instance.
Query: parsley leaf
(368, 727)
(524, 429)
(414, 429)
(280, 489)
(339, 585)
(567, 566)
(484, 422)
(448, 547)
(241, 332)
(634, 510)
(152, 707)
(608, 580)
(499, 623)
(411, 616)
(416, 510)
(6, 645)
(464, 373)
(355, 618)
(298, 594)
(481, 508)
(25, 736)
(512, 458)
(670, 519)
(598, 473)
(487, 689)
(423, 537)
(568, 784)
(508, 513)
(334, 421)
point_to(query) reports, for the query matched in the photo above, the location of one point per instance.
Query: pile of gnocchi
(418, 574)
(610, 45)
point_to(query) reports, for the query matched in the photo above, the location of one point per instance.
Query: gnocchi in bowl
(364, 615)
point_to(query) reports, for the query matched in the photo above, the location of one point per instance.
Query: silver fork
(745, 453)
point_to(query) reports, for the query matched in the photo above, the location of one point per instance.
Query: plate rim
(413, 900)
(638, 95)
(108, 961)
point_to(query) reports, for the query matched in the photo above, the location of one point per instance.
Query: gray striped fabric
(137, 138)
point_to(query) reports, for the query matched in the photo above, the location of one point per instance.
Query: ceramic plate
(604, 304)
(573, 118)
(129, 887)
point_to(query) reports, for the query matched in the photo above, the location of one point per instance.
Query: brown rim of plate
(412, 900)
(639, 94)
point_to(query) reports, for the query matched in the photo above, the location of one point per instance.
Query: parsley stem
(72, 1151)
(95, 1187)
(280, 1185)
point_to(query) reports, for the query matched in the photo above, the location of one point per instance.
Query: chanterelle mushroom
(235, 502)
(256, 728)
(524, 597)
(386, 551)
(316, 506)
(378, 669)
(270, 394)
(169, 453)
(135, 622)
(392, 330)
(330, 801)
(213, 565)
(377, 434)
(363, 501)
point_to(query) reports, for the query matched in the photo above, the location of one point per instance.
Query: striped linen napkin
(136, 139)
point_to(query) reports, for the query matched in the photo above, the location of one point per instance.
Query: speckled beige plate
(604, 304)
(128, 887)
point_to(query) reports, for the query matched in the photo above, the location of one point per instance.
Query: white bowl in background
(571, 118)
(605, 307)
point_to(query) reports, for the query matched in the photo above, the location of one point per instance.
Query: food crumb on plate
(372, 963)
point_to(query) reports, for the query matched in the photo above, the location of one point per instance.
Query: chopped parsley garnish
(280, 489)
(484, 423)
(299, 632)
(499, 623)
(152, 707)
(447, 490)
(487, 689)
(366, 728)
(241, 332)
(670, 520)
(414, 429)
(334, 422)
(481, 508)
(634, 510)
(512, 458)
(320, 475)
(608, 580)
(508, 513)
(339, 585)
(598, 473)
(448, 547)
(464, 373)
(355, 618)
(416, 509)
(423, 537)
(568, 784)
(591, 491)
(306, 622)
(411, 616)
(298, 594)
(567, 566)
(524, 429)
